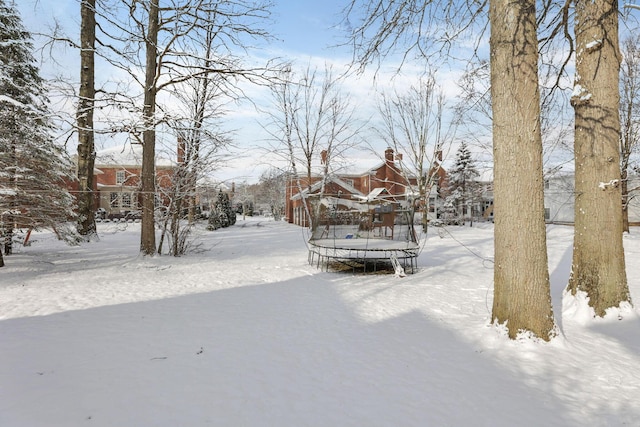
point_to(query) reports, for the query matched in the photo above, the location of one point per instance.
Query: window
(546, 184)
(126, 200)
(547, 214)
(120, 177)
(114, 200)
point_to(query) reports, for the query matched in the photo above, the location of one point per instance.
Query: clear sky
(307, 31)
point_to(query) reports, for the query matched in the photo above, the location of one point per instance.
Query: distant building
(117, 173)
(385, 181)
(559, 199)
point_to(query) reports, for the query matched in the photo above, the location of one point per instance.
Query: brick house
(117, 178)
(382, 182)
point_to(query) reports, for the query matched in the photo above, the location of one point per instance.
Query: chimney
(323, 157)
(439, 156)
(388, 155)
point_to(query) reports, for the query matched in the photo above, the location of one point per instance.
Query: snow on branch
(9, 100)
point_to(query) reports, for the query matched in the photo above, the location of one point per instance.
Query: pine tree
(462, 181)
(33, 169)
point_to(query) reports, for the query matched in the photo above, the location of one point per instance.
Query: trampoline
(364, 234)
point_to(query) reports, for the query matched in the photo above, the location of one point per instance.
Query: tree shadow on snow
(288, 353)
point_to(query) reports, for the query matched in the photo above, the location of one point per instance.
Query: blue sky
(308, 26)
(307, 32)
(304, 27)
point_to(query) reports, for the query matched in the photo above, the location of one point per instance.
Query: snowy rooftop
(128, 155)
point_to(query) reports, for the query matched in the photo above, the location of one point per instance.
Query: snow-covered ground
(246, 333)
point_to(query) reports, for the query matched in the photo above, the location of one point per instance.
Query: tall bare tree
(148, 173)
(522, 297)
(312, 119)
(150, 41)
(598, 255)
(413, 125)
(84, 119)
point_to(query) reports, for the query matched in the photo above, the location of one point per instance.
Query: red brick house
(117, 178)
(384, 182)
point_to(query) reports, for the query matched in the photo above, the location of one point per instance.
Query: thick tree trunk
(86, 151)
(598, 255)
(522, 297)
(147, 235)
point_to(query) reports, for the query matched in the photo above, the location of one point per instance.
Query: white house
(559, 196)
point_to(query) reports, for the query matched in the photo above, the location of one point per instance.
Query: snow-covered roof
(318, 185)
(127, 155)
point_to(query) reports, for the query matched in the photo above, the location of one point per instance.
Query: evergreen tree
(222, 214)
(462, 182)
(33, 169)
(227, 213)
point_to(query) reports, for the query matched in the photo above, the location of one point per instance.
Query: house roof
(127, 155)
(332, 178)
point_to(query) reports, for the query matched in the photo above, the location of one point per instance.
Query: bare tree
(598, 263)
(84, 118)
(424, 28)
(629, 117)
(271, 191)
(148, 172)
(312, 117)
(200, 142)
(156, 39)
(522, 297)
(413, 125)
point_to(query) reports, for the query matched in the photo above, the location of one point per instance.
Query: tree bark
(147, 235)
(522, 296)
(598, 255)
(86, 150)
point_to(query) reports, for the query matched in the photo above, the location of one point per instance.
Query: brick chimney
(388, 154)
(323, 157)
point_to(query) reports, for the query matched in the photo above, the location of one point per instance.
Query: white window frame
(121, 177)
(125, 200)
(114, 199)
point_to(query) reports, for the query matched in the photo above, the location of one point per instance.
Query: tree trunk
(598, 255)
(86, 151)
(147, 235)
(7, 234)
(522, 296)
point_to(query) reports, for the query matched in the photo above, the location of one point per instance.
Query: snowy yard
(246, 333)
